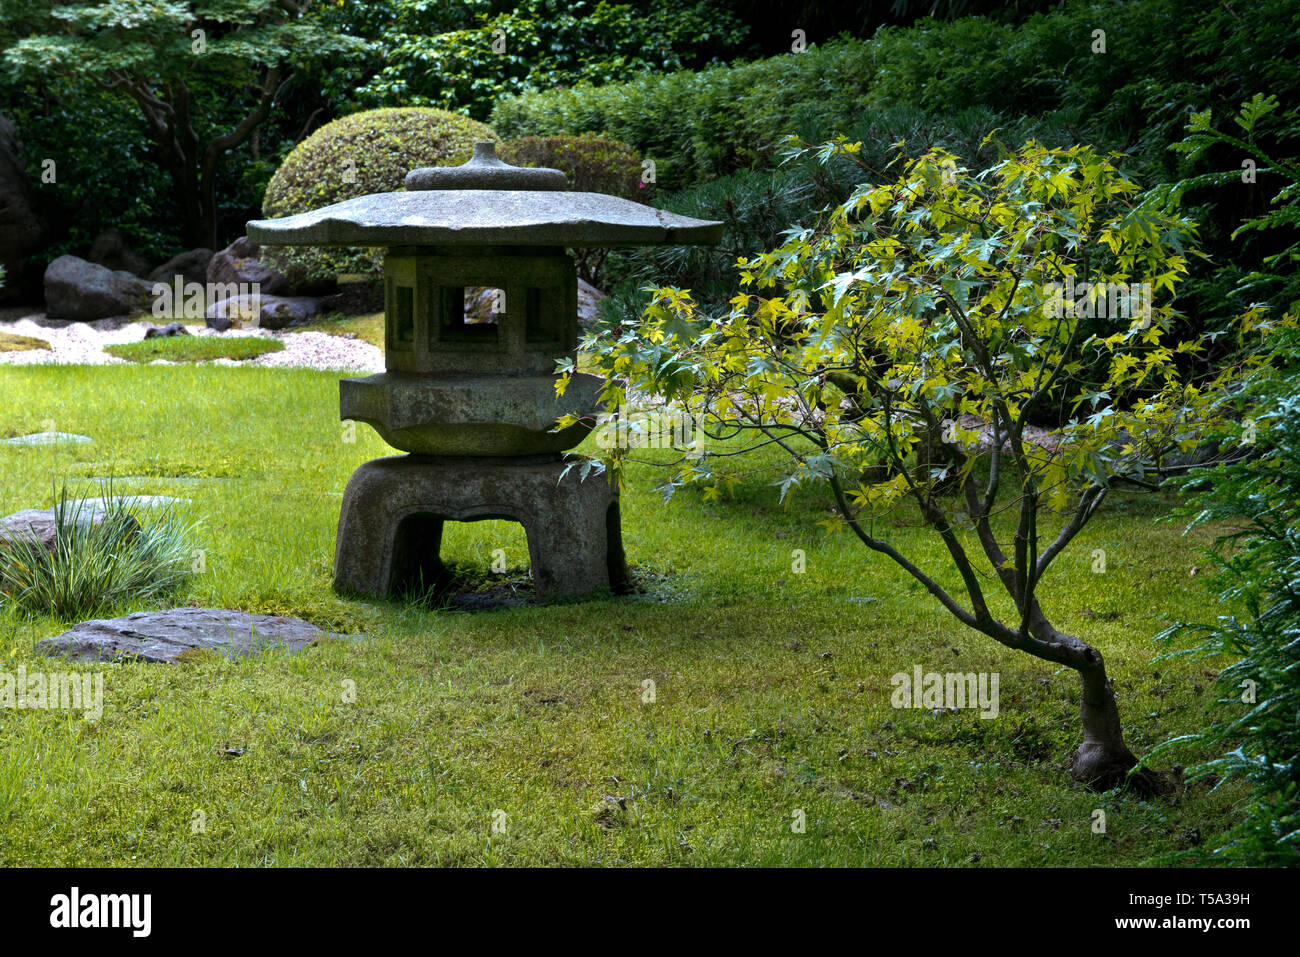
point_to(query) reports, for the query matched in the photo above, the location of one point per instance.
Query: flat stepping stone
(162, 636)
(48, 438)
(128, 501)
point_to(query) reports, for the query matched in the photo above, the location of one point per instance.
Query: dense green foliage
(1255, 729)
(368, 152)
(593, 164)
(947, 81)
(184, 65)
(77, 129)
(700, 125)
(465, 55)
(1161, 56)
(757, 206)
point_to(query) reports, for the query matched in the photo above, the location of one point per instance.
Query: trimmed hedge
(368, 152)
(593, 164)
(1161, 57)
(1046, 77)
(697, 126)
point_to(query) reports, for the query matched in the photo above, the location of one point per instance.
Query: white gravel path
(82, 343)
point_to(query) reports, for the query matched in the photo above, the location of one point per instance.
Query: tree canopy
(183, 64)
(905, 350)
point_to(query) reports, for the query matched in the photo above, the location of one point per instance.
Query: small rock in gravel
(171, 329)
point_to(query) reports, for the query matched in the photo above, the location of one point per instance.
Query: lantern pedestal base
(390, 526)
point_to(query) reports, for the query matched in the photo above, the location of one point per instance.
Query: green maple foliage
(905, 352)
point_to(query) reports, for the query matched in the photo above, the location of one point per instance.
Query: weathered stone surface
(272, 312)
(41, 524)
(191, 266)
(171, 329)
(161, 636)
(281, 312)
(390, 527)
(240, 262)
(485, 170)
(539, 325)
(589, 298)
(517, 217)
(130, 501)
(20, 227)
(470, 414)
(47, 438)
(84, 291)
(113, 251)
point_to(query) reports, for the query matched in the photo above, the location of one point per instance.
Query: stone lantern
(471, 399)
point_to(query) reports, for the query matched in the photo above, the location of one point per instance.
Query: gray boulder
(171, 329)
(589, 298)
(162, 636)
(272, 312)
(83, 291)
(41, 524)
(283, 312)
(481, 304)
(113, 251)
(191, 266)
(241, 262)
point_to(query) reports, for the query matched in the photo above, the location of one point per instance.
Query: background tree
(464, 55)
(931, 306)
(182, 64)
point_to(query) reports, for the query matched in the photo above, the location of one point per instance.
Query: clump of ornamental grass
(128, 556)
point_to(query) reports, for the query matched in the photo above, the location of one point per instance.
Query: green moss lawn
(771, 688)
(194, 348)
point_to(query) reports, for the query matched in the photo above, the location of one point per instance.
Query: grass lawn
(193, 348)
(369, 327)
(772, 690)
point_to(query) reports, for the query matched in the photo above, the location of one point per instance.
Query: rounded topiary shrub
(369, 152)
(593, 164)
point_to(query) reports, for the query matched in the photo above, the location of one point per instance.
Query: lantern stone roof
(485, 202)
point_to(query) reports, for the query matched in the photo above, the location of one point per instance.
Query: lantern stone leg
(390, 527)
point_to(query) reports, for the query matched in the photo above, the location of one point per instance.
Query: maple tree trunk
(1103, 760)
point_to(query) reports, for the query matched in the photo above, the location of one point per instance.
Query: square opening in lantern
(470, 313)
